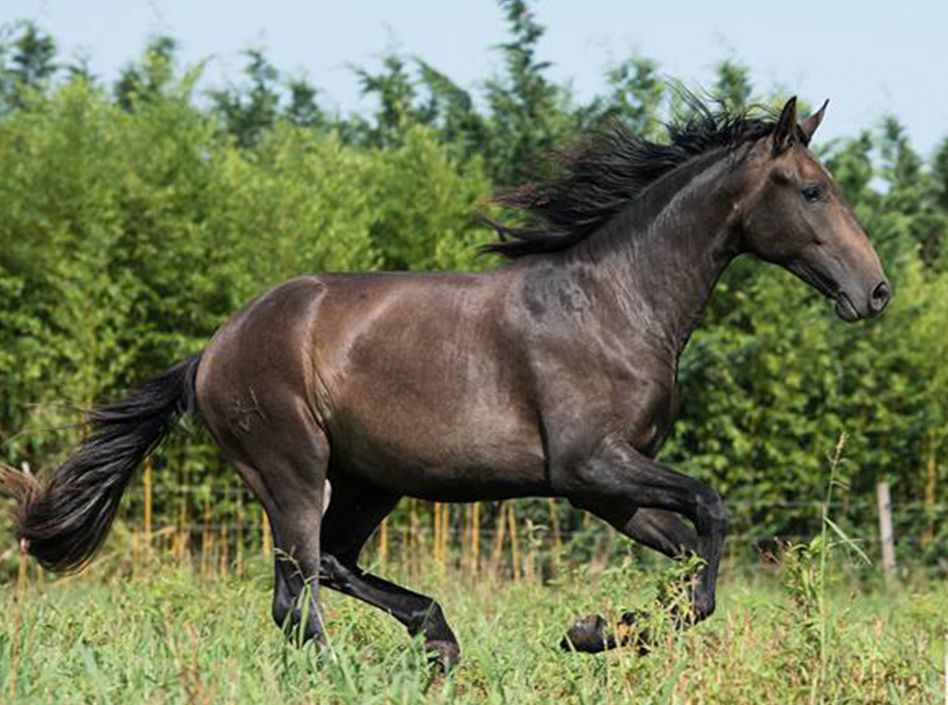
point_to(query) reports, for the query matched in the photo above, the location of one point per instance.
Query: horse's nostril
(880, 296)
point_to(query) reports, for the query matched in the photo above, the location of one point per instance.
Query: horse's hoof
(587, 635)
(444, 655)
(630, 632)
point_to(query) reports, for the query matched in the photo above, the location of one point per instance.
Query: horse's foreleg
(641, 498)
(658, 529)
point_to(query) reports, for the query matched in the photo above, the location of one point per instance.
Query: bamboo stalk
(239, 564)
(182, 533)
(405, 551)
(383, 542)
(499, 537)
(146, 481)
(464, 516)
(514, 543)
(436, 537)
(928, 535)
(557, 537)
(475, 537)
(445, 532)
(266, 539)
(555, 525)
(205, 536)
(413, 536)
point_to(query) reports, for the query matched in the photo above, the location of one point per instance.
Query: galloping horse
(554, 375)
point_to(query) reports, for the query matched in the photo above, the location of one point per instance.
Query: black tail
(64, 522)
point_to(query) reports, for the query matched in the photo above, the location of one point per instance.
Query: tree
(248, 111)
(528, 113)
(29, 63)
(636, 96)
(303, 109)
(148, 78)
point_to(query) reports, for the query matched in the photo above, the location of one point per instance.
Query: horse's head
(797, 217)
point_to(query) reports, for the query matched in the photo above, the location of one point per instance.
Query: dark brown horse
(335, 395)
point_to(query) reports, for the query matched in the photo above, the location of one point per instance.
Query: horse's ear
(786, 130)
(808, 126)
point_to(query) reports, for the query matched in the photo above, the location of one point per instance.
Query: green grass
(167, 636)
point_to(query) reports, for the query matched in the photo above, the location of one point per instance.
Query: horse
(551, 375)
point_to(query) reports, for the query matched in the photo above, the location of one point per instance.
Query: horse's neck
(659, 261)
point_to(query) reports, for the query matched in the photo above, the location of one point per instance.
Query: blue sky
(868, 57)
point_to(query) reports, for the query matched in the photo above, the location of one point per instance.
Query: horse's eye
(811, 193)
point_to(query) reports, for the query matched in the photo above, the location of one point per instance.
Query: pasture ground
(163, 634)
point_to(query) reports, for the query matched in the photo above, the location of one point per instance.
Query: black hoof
(290, 622)
(588, 635)
(443, 655)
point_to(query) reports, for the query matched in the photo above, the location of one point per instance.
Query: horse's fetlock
(703, 605)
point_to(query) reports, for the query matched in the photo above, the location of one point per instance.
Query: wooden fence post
(885, 531)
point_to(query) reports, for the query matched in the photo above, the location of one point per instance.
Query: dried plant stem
(20, 598)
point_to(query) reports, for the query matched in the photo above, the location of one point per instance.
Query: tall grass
(167, 635)
(805, 627)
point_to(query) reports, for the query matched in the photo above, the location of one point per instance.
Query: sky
(869, 58)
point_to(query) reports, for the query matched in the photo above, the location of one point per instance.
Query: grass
(164, 635)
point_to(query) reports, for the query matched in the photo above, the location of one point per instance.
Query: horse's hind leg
(353, 514)
(287, 471)
(420, 614)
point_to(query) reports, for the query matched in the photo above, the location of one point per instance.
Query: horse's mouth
(826, 286)
(845, 308)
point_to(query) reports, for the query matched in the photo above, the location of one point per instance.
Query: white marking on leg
(327, 495)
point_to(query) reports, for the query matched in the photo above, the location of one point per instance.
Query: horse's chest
(655, 435)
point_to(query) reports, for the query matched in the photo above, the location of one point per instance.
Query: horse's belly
(419, 455)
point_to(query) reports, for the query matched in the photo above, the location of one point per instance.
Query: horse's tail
(64, 521)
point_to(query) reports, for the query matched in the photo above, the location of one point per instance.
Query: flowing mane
(609, 168)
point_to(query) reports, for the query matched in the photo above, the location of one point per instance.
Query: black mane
(608, 169)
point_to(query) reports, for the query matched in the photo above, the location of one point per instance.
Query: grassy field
(165, 635)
